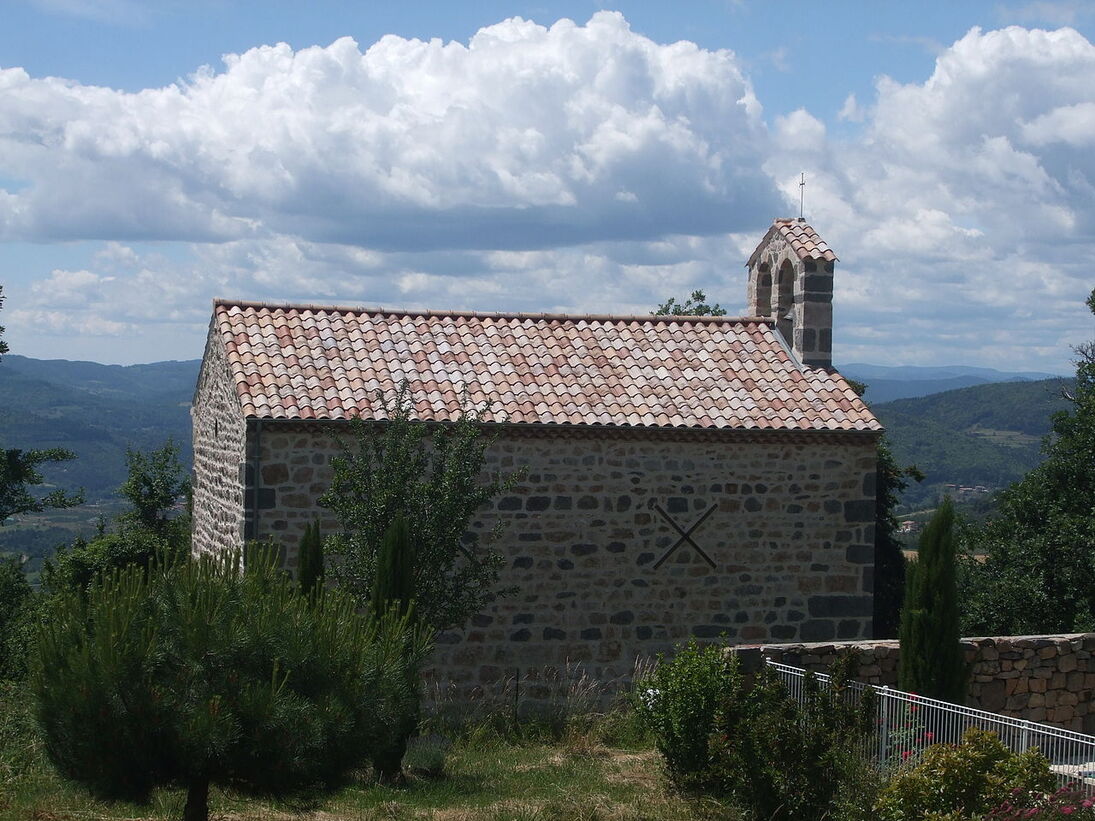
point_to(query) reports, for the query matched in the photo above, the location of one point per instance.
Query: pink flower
(906, 754)
(929, 736)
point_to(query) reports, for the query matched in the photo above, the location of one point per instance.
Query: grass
(593, 769)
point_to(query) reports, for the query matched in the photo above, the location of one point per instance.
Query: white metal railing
(907, 724)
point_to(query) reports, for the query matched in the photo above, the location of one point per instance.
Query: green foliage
(154, 484)
(891, 480)
(395, 571)
(145, 532)
(202, 673)
(749, 742)
(931, 662)
(14, 594)
(680, 701)
(393, 596)
(18, 640)
(695, 305)
(398, 468)
(20, 474)
(963, 781)
(783, 761)
(1039, 548)
(310, 558)
(1071, 803)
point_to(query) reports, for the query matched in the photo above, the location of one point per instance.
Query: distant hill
(987, 435)
(886, 383)
(97, 411)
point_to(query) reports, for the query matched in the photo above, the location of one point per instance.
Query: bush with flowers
(964, 781)
(1070, 803)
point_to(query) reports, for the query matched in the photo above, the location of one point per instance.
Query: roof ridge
(468, 314)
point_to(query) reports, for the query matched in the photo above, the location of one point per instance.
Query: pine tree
(310, 558)
(931, 662)
(204, 673)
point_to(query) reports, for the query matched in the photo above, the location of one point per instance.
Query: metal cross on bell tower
(801, 194)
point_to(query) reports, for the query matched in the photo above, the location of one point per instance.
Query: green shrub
(15, 592)
(205, 673)
(680, 701)
(963, 780)
(785, 761)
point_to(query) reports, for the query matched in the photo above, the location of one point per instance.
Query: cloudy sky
(550, 156)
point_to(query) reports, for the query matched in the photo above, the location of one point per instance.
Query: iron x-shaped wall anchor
(685, 535)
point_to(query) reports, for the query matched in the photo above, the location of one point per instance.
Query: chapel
(681, 476)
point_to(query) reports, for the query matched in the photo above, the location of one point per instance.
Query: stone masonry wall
(219, 436)
(1038, 678)
(589, 536)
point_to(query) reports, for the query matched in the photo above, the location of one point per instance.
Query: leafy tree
(204, 673)
(154, 485)
(695, 305)
(19, 473)
(1035, 557)
(145, 531)
(310, 558)
(931, 662)
(434, 480)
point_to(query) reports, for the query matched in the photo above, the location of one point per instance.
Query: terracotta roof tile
(307, 362)
(803, 239)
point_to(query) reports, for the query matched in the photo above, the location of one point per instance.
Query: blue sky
(599, 166)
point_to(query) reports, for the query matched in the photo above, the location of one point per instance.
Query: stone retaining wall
(1048, 679)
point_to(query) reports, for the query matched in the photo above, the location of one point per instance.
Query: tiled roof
(803, 240)
(308, 362)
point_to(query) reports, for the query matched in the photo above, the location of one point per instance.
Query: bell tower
(791, 285)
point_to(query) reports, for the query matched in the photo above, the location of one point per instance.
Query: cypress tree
(932, 663)
(393, 597)
(310, 558)
(394, 584)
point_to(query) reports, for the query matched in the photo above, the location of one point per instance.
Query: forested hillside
(984, 435)
(96, 411)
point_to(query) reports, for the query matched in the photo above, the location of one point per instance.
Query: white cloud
(571, 168)
(408, 144)
(851, 110)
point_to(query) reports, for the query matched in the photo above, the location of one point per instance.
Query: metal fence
(907, 724)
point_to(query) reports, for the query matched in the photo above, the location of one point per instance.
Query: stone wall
(590, 542)
(1038, 678)
(219, 474)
